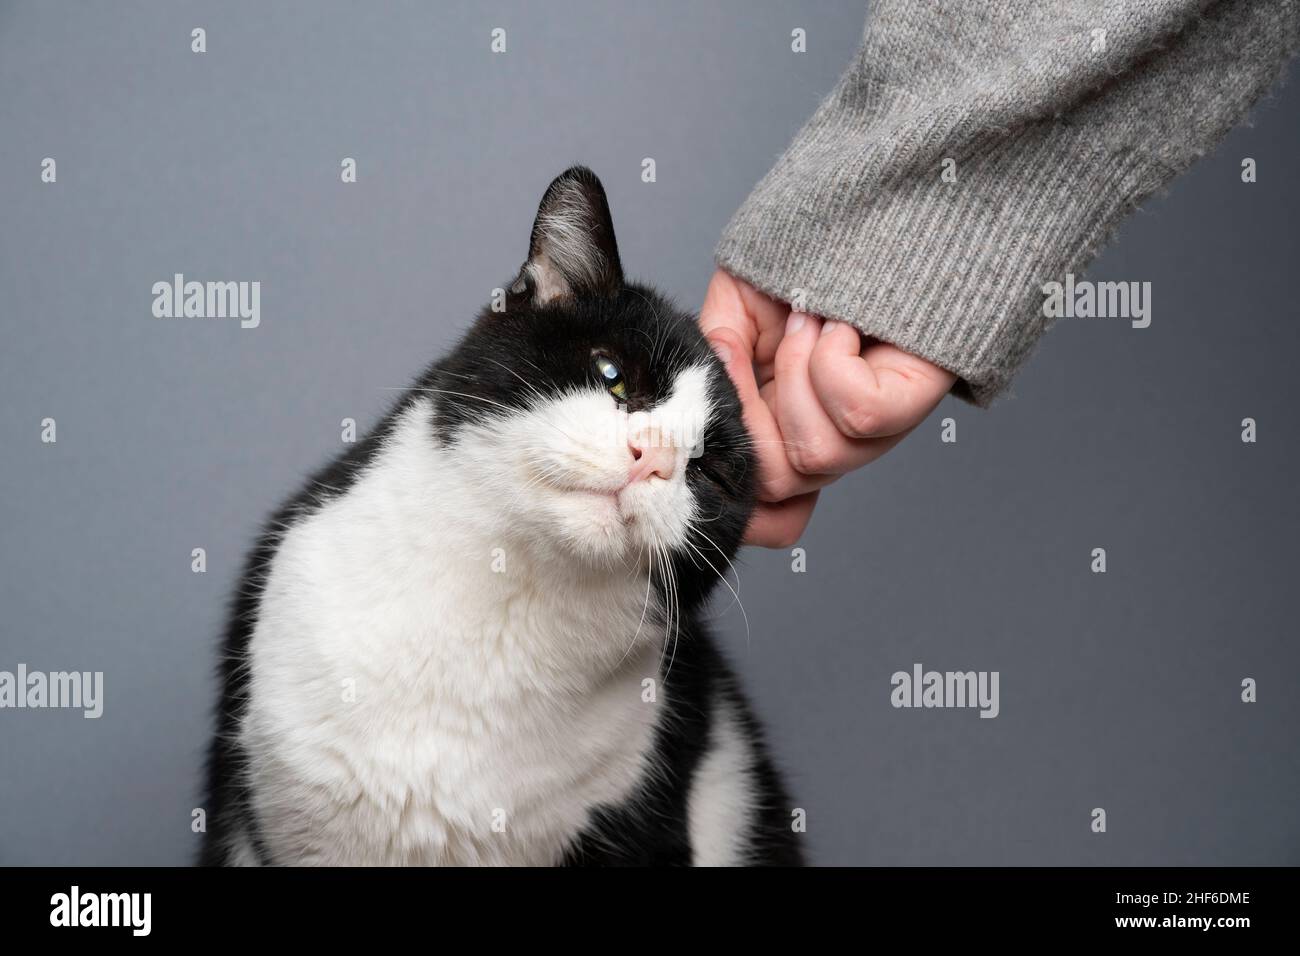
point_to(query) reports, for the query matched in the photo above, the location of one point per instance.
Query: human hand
(818, 399)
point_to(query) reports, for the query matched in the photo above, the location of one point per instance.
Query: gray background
(1118, 690)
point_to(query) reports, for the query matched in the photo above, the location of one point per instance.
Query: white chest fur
(420, 697)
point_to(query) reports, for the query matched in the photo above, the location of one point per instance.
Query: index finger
(756, 319)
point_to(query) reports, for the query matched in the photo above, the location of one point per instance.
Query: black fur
(650, 828)
(545, 345)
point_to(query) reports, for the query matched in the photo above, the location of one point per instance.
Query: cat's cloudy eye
(611, 375)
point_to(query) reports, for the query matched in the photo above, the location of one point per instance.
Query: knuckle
(779, 488)
(859, 419)
(722, 336)
(813, 457)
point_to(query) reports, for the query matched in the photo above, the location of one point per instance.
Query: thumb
(733, 337)
(732, 352)
(777, 478)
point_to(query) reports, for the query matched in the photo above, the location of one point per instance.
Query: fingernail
(794, 323)
(828, 325)
(723, 352)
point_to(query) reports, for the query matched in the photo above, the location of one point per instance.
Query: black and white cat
(474, 638)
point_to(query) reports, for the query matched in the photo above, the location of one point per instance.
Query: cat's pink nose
(652, 455)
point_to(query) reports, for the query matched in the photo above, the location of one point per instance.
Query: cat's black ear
(572, 251)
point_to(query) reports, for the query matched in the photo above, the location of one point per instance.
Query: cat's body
(474, 638)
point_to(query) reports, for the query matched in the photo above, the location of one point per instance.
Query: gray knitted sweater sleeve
(977, 149)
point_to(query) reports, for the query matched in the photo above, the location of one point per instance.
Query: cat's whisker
(677, 624)
(734, 591)
(672, 621)
(656, 564)
(715, 547)
(644, 608)
(527, 384)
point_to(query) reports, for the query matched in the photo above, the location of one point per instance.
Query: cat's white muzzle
(580, 473)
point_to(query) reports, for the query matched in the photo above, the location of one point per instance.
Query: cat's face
(592, 415)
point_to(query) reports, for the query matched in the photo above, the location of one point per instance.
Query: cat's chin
(593, 526)
(617, 528)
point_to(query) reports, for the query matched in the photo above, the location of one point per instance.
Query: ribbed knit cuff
(950, 271)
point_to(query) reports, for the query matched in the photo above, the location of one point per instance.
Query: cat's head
(592, 414)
